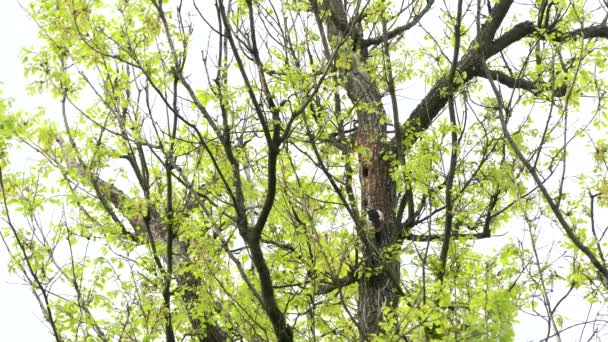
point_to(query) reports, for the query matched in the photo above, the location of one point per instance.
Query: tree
(221, 195)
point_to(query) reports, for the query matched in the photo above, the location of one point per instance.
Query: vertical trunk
(380, 285)
(377, 191)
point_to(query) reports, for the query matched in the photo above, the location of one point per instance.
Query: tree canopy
(209, 167)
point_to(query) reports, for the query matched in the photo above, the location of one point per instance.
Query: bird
(376, 218)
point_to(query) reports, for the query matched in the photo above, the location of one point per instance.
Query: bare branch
(399, 30)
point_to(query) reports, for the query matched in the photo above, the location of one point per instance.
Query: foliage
(206, 173)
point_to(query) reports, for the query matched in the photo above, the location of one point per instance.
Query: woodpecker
(375, 218)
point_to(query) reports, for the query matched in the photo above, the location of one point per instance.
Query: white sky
(19, 312)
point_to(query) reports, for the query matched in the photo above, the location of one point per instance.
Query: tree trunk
(378, 287)
(379, 284)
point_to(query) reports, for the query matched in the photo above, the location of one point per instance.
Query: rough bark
(378, 286)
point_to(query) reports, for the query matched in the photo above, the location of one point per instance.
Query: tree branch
(350, 278)
(595, 31)
(399, 30)
(431, 105)
(570, 230)
(519, 83)
(439, 237)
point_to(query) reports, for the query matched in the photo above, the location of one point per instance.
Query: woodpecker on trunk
(376, 219)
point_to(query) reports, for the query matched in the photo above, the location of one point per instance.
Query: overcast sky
(20, 315)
